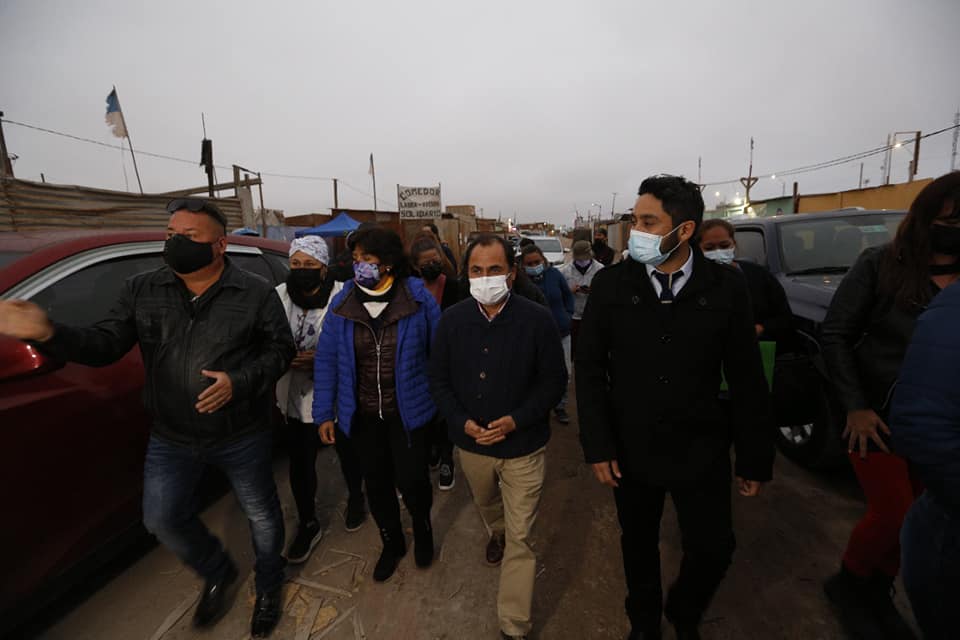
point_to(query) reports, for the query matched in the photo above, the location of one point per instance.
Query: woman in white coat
(305, 296)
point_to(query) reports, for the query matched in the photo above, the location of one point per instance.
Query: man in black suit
(657, 330)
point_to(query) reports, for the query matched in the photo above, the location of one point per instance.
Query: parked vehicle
(74, 437)
(552, 248)
(809, 254)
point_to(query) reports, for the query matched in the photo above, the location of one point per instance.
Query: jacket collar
(637, 279)
(232, 276)
(403, 304)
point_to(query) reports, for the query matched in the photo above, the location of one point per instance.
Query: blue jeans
(930, 547)
(171, 476)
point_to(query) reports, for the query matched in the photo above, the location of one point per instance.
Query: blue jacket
(559, 297)
(335, 364)
(925, 413)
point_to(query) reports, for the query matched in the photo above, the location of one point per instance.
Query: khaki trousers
(510, 508)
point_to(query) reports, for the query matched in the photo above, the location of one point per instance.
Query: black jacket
(864, 336)
(237, 326)
(648, 376)
(769, 301)
(482, 371)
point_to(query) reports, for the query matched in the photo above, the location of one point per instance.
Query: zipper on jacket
(379, 388)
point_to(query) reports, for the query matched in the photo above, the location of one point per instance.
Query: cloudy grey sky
(535, 107)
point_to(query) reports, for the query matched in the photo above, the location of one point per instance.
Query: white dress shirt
(678, 282)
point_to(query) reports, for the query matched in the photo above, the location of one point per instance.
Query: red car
(73, 437)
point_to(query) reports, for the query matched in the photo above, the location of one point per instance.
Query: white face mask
(723, 256)
(645, 247)
(489, 290)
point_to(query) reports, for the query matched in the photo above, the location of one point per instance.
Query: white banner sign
(419, 202)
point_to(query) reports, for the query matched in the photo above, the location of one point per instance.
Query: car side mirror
(19, 359)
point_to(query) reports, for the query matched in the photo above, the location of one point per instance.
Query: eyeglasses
(196, 205)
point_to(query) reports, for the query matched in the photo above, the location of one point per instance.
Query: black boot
(215, 598)
(394, 548)
(266, 613)
(885, 611)
(423, 542)
(851, 595)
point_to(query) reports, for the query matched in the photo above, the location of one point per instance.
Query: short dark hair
(530, 249)
(199, 205)
(717, 222)
(680, 198)
(488, 240)
(525, 242)
(386, 245)
(433, 228)
(601, 231)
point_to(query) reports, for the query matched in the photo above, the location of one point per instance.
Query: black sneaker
(308, 536)
(562, 416)
(266, 613)
(423, 544)
(447, 480)
(355, 514)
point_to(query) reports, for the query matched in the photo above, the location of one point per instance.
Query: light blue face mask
(645, 247)
(536, 271)
(723, 256)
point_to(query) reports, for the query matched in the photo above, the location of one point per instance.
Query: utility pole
(206, 155)
(336, 195)
(885, 167)
(6, 167)
(953, 157)
(750, 180)
(860, 184)
(916, 156)
(613, 205)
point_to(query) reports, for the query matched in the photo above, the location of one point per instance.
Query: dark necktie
(666, 285)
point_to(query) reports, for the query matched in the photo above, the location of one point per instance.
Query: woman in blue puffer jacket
(370, 378)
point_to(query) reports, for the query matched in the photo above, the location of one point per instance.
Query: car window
(280, 265)
(255, 264)
(549, 245)
(85, 297)
(751, 246)
(833, 244)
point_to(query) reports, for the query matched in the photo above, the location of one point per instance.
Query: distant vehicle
(809, 254)
(552, 248)
(74, 437)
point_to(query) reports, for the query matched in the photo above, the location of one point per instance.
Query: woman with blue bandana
(305, 296)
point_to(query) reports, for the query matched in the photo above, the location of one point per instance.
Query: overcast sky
(534, 107)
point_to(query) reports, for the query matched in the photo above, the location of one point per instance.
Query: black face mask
(305, 279)
(431, 271)
(184, 256)
(945, 240)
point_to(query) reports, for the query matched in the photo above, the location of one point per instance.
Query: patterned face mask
(367, 274)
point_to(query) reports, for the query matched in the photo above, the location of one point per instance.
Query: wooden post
(336, 196)
(796, 197)
(916, 157)
(6, 167)
(263, 210)
(236, 181)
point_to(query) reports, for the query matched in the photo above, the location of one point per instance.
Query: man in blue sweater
(925, 424)
(496, 370)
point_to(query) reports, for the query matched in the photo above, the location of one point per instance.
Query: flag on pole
(371, 171)
(114, 117)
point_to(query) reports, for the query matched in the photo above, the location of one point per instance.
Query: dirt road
(789, 541)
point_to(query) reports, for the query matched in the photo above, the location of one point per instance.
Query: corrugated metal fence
(33, 206)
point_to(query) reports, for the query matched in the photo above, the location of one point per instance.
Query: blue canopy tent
(336, 228)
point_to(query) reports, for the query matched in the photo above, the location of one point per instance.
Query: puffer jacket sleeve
(325, 368)
(925, 412)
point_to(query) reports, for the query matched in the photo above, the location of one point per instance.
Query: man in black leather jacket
(214, 340)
